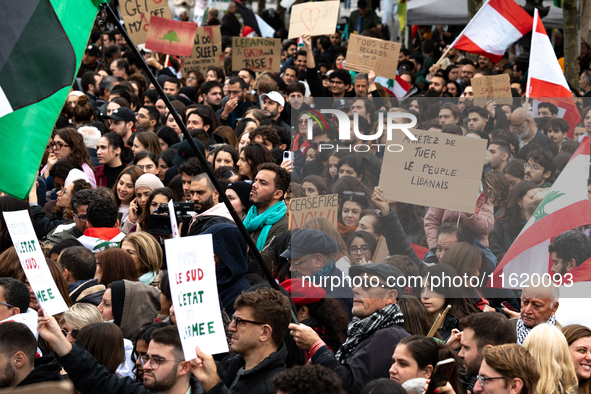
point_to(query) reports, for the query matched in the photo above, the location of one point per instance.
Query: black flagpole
(204, 162)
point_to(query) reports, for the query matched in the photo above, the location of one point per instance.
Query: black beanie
(117, 300)
(243, 190)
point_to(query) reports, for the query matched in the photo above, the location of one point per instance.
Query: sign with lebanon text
(493, 87)
(313, 18)
(136, 16)
(437, 170)
(258, 54)
(33, 262)
(170, 37)
(191, 273)
(206, 51)
(366, 53)
(303, 209)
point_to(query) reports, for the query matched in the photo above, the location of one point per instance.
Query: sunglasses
(73, 333)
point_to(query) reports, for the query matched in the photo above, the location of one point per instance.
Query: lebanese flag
(401, 87)
(564, 208)
(97, 239)
(495, 27)
(545, 78)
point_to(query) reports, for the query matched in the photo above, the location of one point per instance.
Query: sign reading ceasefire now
(303, 209)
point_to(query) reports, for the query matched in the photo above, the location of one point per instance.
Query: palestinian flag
(565, 207)
(41, 46)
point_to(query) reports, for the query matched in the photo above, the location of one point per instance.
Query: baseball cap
(92, 50)
(185, 152)
(122, 113)
(340, 104)
(275, 96)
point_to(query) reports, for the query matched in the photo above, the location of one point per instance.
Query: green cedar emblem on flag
(41, 46)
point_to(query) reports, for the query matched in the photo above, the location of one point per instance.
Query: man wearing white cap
(272, 104)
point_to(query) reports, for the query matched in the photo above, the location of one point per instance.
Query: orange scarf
(344, 230)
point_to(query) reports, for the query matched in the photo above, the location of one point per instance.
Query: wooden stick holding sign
(440, 319)
(193, 286)
(33, 262)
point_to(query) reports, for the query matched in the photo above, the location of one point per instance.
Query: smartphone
(508, 306)
(288, 155)
(441, 374)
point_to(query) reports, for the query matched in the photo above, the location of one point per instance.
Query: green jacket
(369, 21)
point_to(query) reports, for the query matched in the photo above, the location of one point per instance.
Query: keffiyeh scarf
(523, 330)
(359, 330)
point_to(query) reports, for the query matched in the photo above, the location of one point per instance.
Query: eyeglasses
(8, 305)
(349, 192)
(57, 145)
(527, 166)
(297, 265)
(516, 126)
(82, 218)
(73, 333)
(240, 320)
(362, 249)
(154, 361)
(483, 379)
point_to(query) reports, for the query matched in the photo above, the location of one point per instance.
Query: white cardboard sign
(173, 225)
(33, 262)
(191, 273)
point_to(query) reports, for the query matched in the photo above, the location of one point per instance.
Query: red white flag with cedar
(545, 80)
(565, 207)
(495, 27)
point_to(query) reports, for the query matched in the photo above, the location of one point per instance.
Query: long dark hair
(72, 137)
(331, 315)
(116, 264)
(143, 219)
(226, 148)
(134, 172)
(116, 141)
(426, 351)
(255, 155)
(371, 241)
(105, 342)
(362, 201)
(512, 217)
(317, 181)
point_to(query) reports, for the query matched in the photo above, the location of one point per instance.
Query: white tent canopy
(455, 12)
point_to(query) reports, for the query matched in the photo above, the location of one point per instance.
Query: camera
(159, 221)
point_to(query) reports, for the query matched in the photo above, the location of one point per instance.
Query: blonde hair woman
(147, 255)
(78, 316)
(549, 348)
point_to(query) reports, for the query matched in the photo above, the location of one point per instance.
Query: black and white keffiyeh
(523, 330)
(359, 330)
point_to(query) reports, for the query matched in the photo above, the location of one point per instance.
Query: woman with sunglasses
(77, 317)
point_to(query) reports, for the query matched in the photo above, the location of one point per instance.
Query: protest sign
(313, 18)
(173, 224)
(136, 16)
(191, 273)
(366, 53)
(493, 87)
(258, 54)
(206, 52)
(170, 37)
(33, 262)
(381, 252)
(303, 209)
(437, 170)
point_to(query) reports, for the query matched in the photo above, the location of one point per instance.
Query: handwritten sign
(173, 224)
(315, 18)
(191, 273)
(136, 16)
(437, 170)
(33, 262)
(170, 36)
(206, 52)
(494, 87)
(303, 209)
(366, 53)
(258, 54)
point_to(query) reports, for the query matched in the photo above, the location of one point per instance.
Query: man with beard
(237, 105)
(273, 104)
(481, 330)
(523, 124)
(18, 365)
(468, 70)
(165, 370)
(540, 167)
(211, 94)
(209, 210)
(90, 85)
(569, 250)
(267, 217)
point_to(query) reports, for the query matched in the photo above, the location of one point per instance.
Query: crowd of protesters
(117, 157)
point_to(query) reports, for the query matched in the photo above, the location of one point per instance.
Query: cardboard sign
(366, 53)
(493, 87)
(173, 224)
(191, 273)
(303, 209)
(315, 18)
(170, 36)
(437, 170)
(33, 262)
(258, 54)
(381, 252)
(136, 16)
(206, 51)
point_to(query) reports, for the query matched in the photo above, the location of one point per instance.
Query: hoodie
(135, 306)
(215, 215)
(231, 248)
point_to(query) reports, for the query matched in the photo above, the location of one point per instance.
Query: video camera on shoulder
(159, 222)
